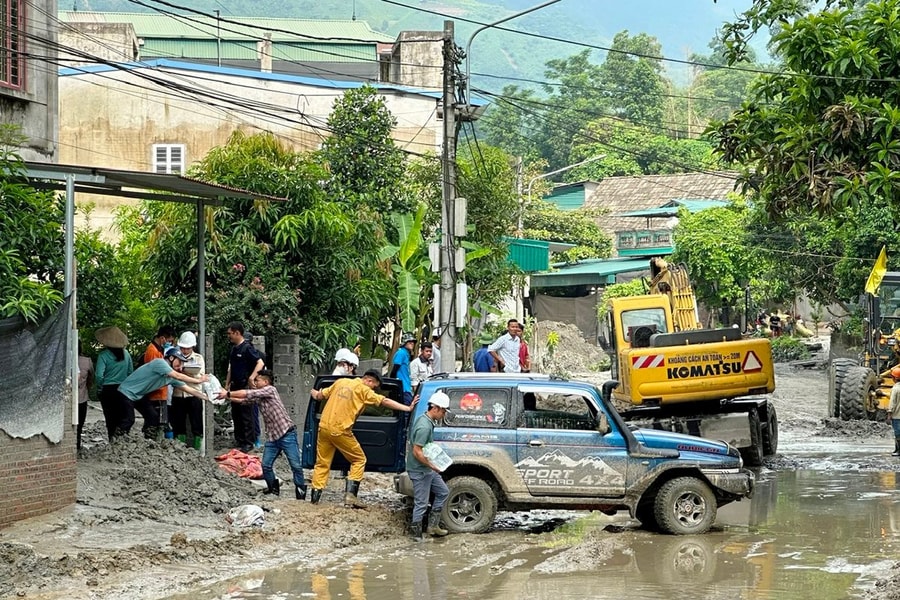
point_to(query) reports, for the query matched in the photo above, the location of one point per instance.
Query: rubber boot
(275, 488)
(299, 492)
(351, 489)
(181, 438)
(198, 442)
(896, 451)
(415, 532)
(434, 525)
(316, 496)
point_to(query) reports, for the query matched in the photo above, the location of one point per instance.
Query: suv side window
(478, 407)
(555, 409)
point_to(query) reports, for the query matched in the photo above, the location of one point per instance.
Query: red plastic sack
(241, 464)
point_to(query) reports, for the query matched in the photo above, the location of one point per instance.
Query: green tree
(633, 150)
(821, 136)
(712, 244)
(304, 265)
(366, 165)
(32, 244)
(632, 78)
(545, 221)
(506, 125)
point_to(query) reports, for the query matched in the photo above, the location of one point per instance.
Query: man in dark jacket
(244, 364)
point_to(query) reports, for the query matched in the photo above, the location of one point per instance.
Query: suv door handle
(536, 443)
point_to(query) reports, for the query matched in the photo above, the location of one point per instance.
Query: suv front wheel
(684, 505)
(471, 506)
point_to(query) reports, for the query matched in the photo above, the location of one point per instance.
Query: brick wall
(36, 476)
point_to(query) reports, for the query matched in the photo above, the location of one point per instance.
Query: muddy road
(150, 524)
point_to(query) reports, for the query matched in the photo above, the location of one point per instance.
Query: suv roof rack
(480, 375)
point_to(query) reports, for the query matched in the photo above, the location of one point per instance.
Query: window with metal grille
(12, 41)
(168, 158)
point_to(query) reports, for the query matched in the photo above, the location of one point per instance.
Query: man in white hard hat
(184, 405)
(424, 474)
(346, 362)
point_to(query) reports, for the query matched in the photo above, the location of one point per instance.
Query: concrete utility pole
(447, 295)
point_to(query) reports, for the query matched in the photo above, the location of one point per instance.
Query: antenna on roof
(353, 17)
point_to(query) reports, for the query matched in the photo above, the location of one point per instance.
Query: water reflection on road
(806, 534)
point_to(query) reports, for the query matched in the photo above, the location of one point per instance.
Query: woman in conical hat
(113, 366)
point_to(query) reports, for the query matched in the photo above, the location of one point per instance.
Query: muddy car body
(531, 441)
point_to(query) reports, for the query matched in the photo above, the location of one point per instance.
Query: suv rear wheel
(471, 506)
(684, 505)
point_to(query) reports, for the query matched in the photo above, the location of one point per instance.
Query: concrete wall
(113, 42)
(418, 58)
(34, 107)
(114, 118)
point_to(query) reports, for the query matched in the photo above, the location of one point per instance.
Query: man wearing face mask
(347, 361)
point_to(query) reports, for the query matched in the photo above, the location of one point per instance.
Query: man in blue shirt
(153, 375)
(483, 361)
(401, 361)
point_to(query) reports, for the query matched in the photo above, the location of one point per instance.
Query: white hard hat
(187, 340)
(440, 399)
(346, 355)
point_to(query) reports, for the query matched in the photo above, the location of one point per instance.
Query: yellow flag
(877, 273)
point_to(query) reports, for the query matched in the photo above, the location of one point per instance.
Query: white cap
(440, 399)
(187, 340)
(346, 355)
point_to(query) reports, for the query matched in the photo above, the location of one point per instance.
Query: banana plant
(410, 267)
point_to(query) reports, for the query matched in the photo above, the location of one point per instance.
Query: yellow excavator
(675, 375)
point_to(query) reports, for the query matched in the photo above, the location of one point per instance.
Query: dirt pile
(570, 354)
(144, 504)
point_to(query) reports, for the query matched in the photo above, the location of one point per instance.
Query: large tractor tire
(770, 434)
(857, 389)
(753, 454)
(837, 372)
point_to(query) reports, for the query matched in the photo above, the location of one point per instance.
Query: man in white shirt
(505, 349)
(420, 369)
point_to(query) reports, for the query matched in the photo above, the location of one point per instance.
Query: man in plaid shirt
(280, 431)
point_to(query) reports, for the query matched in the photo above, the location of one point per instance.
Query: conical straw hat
(111, 337)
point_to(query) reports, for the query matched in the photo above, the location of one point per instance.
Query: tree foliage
(712, 244)
(633, 150)
(632, 79)
(546, 221)
(305, 264)
(365, 164)
(822, 135)
(32, 243)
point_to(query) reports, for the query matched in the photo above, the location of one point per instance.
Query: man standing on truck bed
(336, 430)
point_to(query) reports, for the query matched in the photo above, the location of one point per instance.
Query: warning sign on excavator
(751, 363)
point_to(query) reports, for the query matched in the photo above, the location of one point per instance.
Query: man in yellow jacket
(346, 400)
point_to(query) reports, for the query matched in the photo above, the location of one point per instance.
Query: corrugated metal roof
(164, 63)
(192, 26)
(567, 197)
(246, 50)
(588, 272)
(670, 209)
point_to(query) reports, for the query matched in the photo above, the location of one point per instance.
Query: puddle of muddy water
(806, 534)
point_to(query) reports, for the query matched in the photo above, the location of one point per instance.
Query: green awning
(670, 209)
(533, 255)
(599, 272)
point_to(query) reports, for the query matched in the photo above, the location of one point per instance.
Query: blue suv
(528, 441)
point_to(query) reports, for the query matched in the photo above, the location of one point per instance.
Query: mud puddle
(806, 534)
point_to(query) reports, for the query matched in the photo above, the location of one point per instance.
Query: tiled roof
(617, 195)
